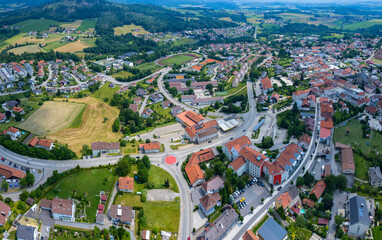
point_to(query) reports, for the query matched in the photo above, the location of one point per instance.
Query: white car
(47, 229)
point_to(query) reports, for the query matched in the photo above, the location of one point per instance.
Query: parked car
(279, 188)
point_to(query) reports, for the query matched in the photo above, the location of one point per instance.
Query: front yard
(162, 215)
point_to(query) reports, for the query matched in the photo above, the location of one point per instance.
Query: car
(258, 183)
(137, 157)
(210, 141)
(244, 130)
(47, 229)
(231, 139)
(177, 163)
(279, 188)
(201, 149)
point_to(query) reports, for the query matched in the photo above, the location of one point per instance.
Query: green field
(86, 182)
(129, 199)
(377, 232)
(105, 91)
(162, 215)
(86, 24)
(334, 35)
(364, 24)
(361, 167)
(149, 66)
(130, 29)
(157, 176)
(377, 61)
(299, 233)
(178, 59)
(296, 17)
(164, 114)
(123, 74)
(25, 49)
(11, 40)
(355, 137)
(36, 25)
(53, 45)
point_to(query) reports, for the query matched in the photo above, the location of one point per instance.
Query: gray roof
(25, 232)
(375, 174)
(293, 191)
(358, 211)
(271, 230)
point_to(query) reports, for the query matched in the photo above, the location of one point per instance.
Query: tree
(116, 125)
(24, 195)
(252, 208)
(241, 218)
(241, 183)
(210, 87)
(18, 117)
(338, 219)
(219, 168)
(300, 181)
(29, 179)
(85, 149)
(123, 166)
(143, 173)
(308, 179)
(4, 185)
(146, 161)
(8, 114)
(340, 233)
(341, 183)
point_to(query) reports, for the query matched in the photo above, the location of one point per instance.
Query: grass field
(355, 137)
(123, 74)
(179, 59)
(296, 17)
(299, 233)
(72, 47)
(361, 167)
(86, 24)
(377, 61)
(129, 199)
(132, 28)
(73, 25)
(105, 91)
(364, 24)
(149, 66)
(52, 117)
(35, 25)
(89, 182)
(23, 49)
(93, 126)
(162, 215)
(377, 232)
(157, 176)
(11, 40)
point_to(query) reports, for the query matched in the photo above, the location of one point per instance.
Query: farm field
(85, 182)
(132, 28)
(162, 215)
(364, 24)
(96, 124)
(178, 59)
(73, 25)
(105, 91)
(148, 66)
(72, 47)
(86, 24)
(36, 25)
(355, 137)
(28, 49)
(296, 17)
(52, 117)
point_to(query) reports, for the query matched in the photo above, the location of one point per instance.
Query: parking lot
(252, 196)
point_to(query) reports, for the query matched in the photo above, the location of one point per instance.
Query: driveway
(161, 195)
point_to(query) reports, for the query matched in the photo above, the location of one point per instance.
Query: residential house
(232, 148)
(176, 110)
(358, 212)
(147, 113)
(325, 135)
(255, 161)
(309, 123)
(213, 185)
(141, 92)
(153, 147)
(375, 177)
(192, 169)
(156, 97)
(10, 173)
(61, 209)
(121, 214)
(5, 212)
(145, 235)
(43, 143)
(266, 85)
(209, 202)
(275, 97)
(347, 158)
(316, 193)
(26, 233)
(283, 201)
(166, 104)
(13, 132)
(304, 141)
(271, 230)
(239, 166)
(249, 235)
(221, 226)
(19, 110)
(3, 118)
(133, 107)
(104, 147)
(126, 184)
(137, 100)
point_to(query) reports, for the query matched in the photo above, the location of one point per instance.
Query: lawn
(179, 59)
(105, 91)
(299, 233)
(132, 28)
(341, 116)
(86, 24)
(87, 182)
(157, 176)
(377, 232)
(35, 25)
(163, 114)
(123, 74)
(355, 137)
(52, 117)
(259, 224)
(162, 215)
(28, 49)
(131, 148)
(361, 167)
(149, 66)
(129, 199)
(96, 125)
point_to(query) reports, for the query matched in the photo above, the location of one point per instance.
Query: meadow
(132, 28)
(23, 49)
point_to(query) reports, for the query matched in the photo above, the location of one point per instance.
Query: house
(271, 230)
(104, 147)
(202, 133)
(19, 110)
(156, 97)
(190, 118)
(10, 173)
(176, 110)
(121, 214)
(249, 235)
(325, 135)
(347, 158)
(316, 193)
(137, 100)
(126, 184)
(301, 94)
(141, 92)
(323, 221)
(221, 226)
(304, 141)
(150, 81)
(283, 201)
(232, 148)
(133, 107)
(100, 218)
(2, 117)
(375, 177)
(145, 235)
(213, 185)
(239, 166)
(192, 169)
(147, 113)
(13, 132)
(357, 211)
(43, 143)
(61, 209)
(266, 85)
(5, 212)
(209, 202)
(26, 233)
(275, 97)
(153, 147)
(166, 104)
